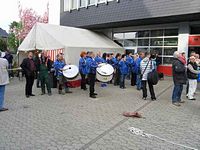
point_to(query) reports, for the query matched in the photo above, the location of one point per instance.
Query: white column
(183, 38)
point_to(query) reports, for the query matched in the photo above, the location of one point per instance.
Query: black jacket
(179, 72)
(190, 74)
(26, 67)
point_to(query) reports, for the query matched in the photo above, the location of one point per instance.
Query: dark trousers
(62, 83)
(45, 81)
(122, 80)
(92, 78)
(83, 81)
(116, 77)
(133, 79)
(144, 89)
(29, 84)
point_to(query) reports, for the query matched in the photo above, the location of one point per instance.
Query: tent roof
(48, 37)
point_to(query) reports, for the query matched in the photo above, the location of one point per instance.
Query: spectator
(4, 80)
(179, 78)
(28, 66)
(192, 74)
(146, 66)
(9, 58)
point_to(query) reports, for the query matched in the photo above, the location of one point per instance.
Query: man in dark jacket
(179, 78)
(29, 68)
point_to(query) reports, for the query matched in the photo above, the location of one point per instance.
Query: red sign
(194, 40)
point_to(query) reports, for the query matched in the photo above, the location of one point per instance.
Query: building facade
(154, 25)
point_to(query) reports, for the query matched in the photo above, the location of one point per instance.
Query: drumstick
(66, 69)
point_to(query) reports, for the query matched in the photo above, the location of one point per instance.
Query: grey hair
(176, 54)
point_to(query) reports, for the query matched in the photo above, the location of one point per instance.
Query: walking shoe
(93, 96)
(68, 91)
(182, 101)
(192, 99)
(153, 99)
(3, 109)
(42, 93)
(176, 104)
(144, 98)
(32, 95)
(49, 94)
(60, 92)
(27, 96)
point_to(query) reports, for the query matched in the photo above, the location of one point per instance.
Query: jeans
(2, 92)
(176, 95)
(151, 89)
(122, 80)
(138, 82)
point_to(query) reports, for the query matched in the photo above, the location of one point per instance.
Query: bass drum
(70, 72)
(104, 72)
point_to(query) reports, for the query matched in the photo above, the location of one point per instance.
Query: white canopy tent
(71, 40)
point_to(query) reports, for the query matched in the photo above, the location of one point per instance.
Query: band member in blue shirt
(116, 60)
(62, 81)
(123, 67)
(92, 65)
(83, 69)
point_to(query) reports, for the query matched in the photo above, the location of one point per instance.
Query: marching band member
(83, 69)
(123, 67)
(44, 67)
(92, 65)
(58, 65)
(99, 59)
(116, 60)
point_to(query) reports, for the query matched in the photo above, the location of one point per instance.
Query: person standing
(4, 80)
(116, 60)
(29, 68)
(123, 67)
(83, 69)
(192, 74)
(9, 58)
(147, 65)
(44, 68)
(92, 65)
(179, 78)
(62, 81)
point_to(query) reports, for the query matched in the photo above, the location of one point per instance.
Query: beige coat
(4, 78)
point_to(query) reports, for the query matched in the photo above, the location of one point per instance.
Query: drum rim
(104, 75)
(73, 77)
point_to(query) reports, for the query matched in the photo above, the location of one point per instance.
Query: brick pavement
(75, 121)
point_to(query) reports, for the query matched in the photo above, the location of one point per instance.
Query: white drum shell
(70, 72)
(104, 72)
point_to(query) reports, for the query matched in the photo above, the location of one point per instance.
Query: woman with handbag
(147, 65)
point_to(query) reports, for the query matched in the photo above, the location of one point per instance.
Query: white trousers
(192, 88)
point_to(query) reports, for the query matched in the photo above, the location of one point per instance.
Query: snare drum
(105, 72)
(70, 71)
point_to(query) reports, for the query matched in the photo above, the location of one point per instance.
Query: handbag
(152, 76)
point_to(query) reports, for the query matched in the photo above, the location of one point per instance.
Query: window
(91, 2)
(143, 42)
(119, 36)
(130, 35)
(169, 51)
(66, 5)
(74, 4)
(143, 34)
(156, 50)
(171, 32)
(171, 42)
(101, 1)
(157, 42)
(156, 33)
(167, 60)
(130, 42)
(83, 3)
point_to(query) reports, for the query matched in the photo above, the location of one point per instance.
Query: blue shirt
(83, 66)
(59, 65)
(123, 67)
(99, 59)
(91, 65)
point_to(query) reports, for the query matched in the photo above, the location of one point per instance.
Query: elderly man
(29, 68)
(4, 80)
(179, 78)
(44, 68)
